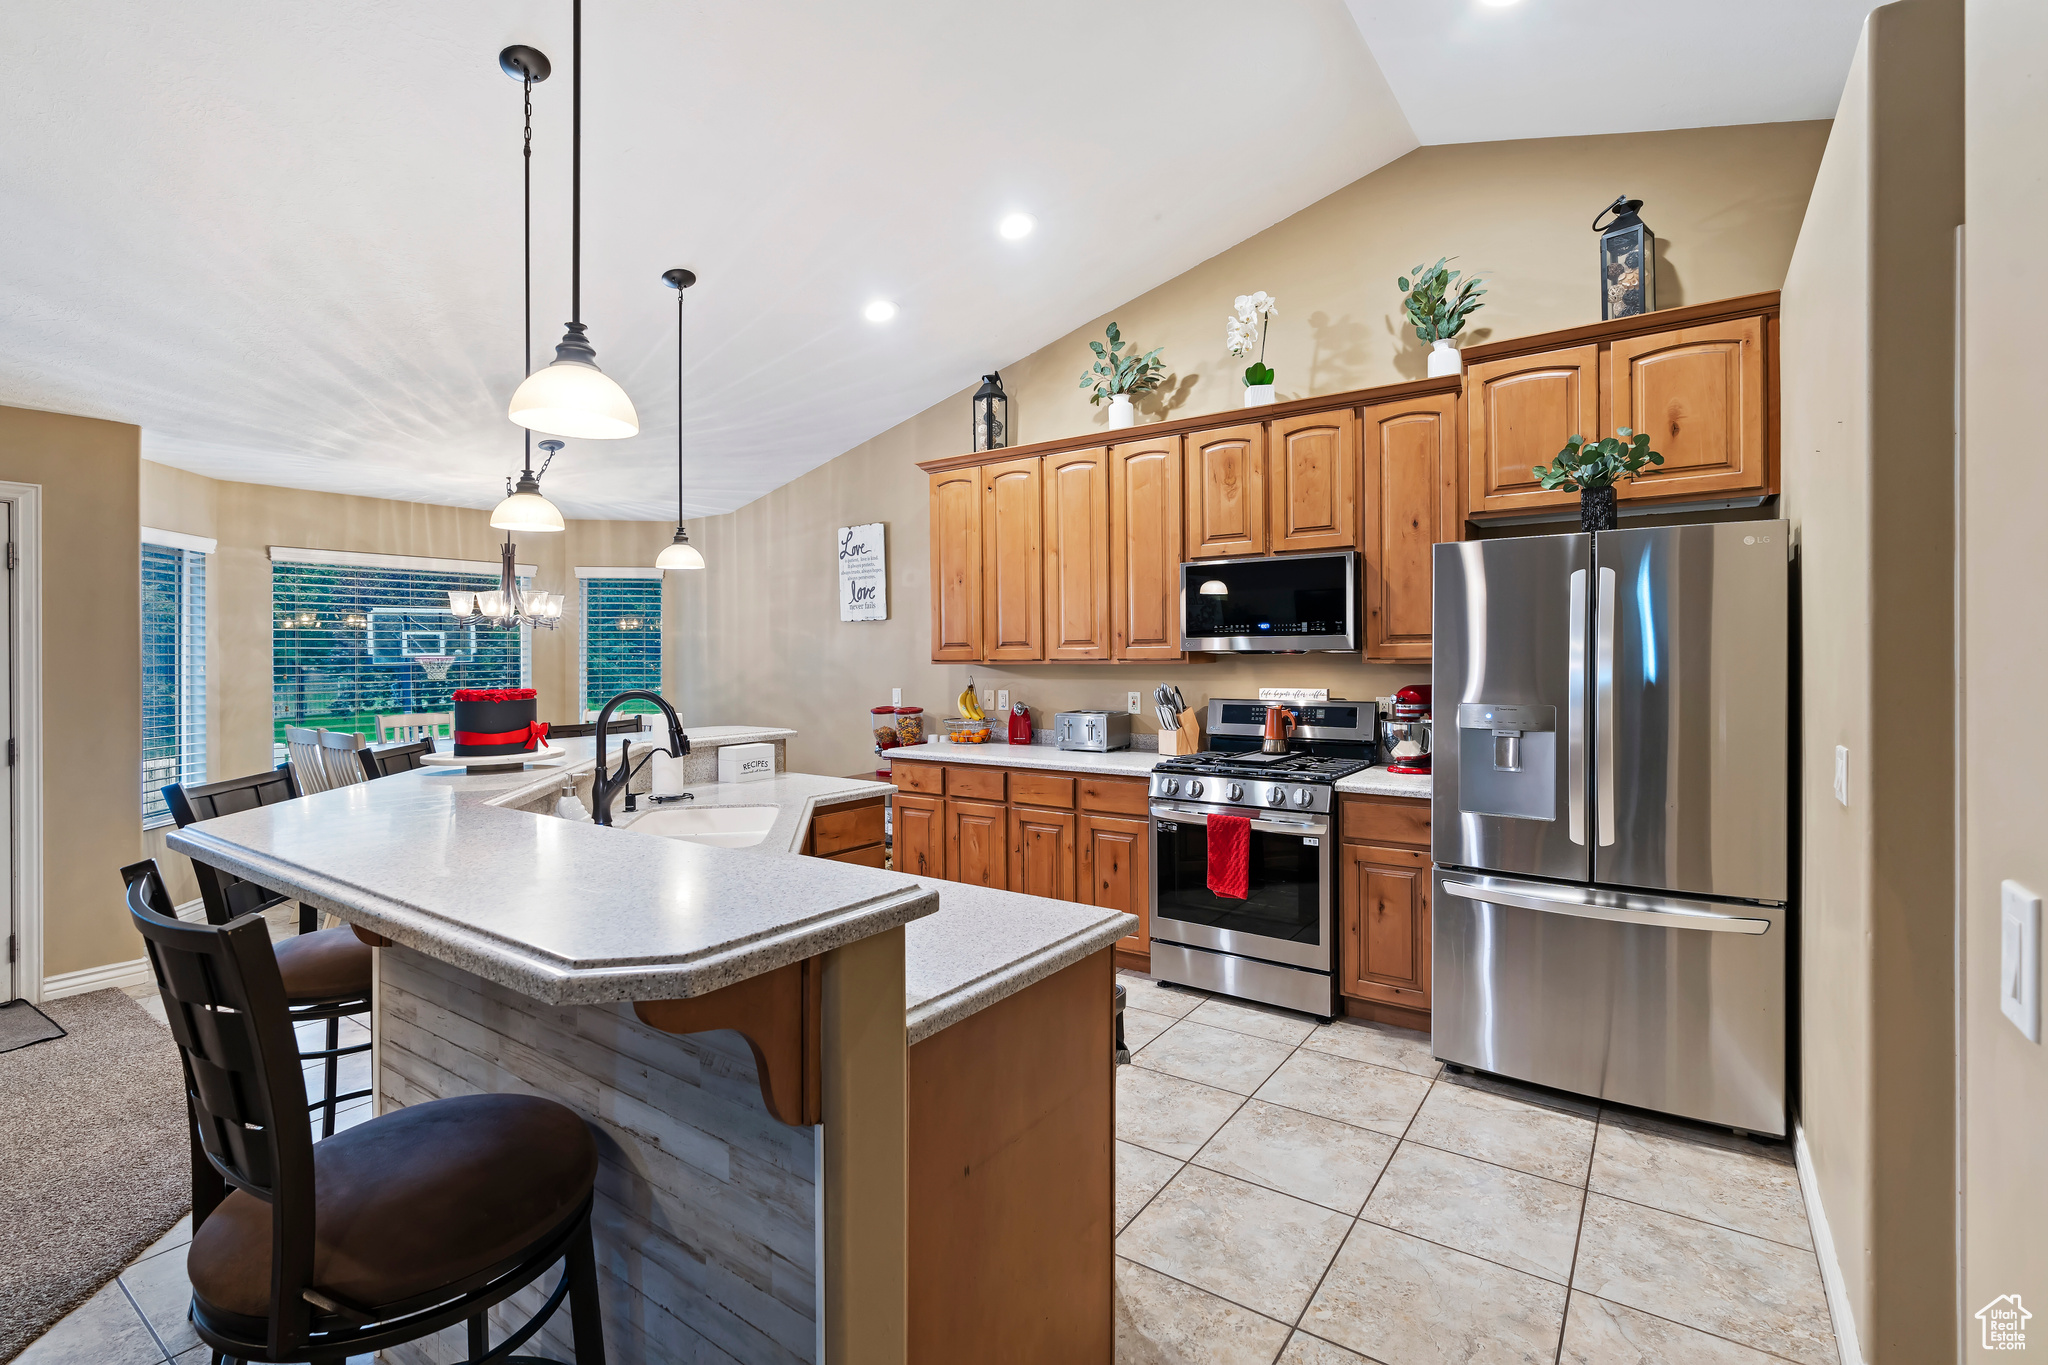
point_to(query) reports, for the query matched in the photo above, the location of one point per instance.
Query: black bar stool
(326, 971)
(383, 1234)
(385, 759)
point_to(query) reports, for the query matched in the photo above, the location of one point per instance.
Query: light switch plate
(2019, 958)
(1002, 701)
(1842, 773)
(1131, 702)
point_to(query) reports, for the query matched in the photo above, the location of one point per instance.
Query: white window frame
(584, 577)
(189, 665)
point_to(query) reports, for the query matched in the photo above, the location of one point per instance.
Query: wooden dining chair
(415, 725)
(382, 760)
(303, 747)
(339, 750)
(386, 1233)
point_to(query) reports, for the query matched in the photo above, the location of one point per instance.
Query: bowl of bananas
(971, 725)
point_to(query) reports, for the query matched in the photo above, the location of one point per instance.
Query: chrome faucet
(606, 786)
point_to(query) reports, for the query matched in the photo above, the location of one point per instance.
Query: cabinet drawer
(872, 855)
(975, 784)
(1385, 820)
(928, 778)
(837, 828)
(1116, 796)
(1041, 789)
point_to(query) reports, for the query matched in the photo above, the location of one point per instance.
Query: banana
(970, 706)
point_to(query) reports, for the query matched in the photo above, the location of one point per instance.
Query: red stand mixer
(1405, 734)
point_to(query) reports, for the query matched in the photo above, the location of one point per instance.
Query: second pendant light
(679, 553)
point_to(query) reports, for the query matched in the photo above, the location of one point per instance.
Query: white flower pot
(1121, 413)
(1257, 395)
(1444, 359)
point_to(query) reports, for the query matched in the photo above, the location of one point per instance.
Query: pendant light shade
(680, 553)
(526, 510)
(572, 397)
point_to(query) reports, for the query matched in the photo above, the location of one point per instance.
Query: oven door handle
(1662, 914)
(1264, 826)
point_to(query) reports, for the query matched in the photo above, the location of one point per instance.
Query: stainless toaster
(1095, 731)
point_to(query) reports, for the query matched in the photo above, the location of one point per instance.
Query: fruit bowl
(963, 730)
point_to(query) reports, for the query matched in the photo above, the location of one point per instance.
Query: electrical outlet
(2019, 958)
(1842, 773)
(1131, 702)
(1002, 701)
(988, 698)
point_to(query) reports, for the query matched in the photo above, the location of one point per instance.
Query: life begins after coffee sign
(863, 574)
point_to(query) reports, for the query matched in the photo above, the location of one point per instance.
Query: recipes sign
(863, 574)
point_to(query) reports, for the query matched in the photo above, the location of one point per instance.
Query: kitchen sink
(725, 826)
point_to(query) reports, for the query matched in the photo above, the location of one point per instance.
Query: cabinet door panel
(1116, 872)
(1522, 411)
(1226, 492)
(956, 565)
(1699, 393)
(1410, 504)
(1013, 560)
(977, 843)
(1042, 852)
(920, 835)
(1077, 555)
(1386, 945)
(1144, 548)
(1314, 492)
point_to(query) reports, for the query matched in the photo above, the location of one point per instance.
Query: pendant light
(680, 554)
(571, 396)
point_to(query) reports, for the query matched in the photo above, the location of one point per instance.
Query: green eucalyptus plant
(1437, 302)
(1584, 465)
(1116, 371)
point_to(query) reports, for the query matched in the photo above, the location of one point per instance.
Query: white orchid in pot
(1246, 334)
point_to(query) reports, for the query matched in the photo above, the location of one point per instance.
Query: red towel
(1230, 855)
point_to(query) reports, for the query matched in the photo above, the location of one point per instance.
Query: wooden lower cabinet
(920, 824)
(1115, 872)
(978, 844)
(1042, 852)
(1386, 931)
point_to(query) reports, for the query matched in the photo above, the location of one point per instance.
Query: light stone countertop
(1122, 763)
(1379, 782)
(794, 795)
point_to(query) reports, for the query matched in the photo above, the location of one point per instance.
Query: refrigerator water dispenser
(1507, 756)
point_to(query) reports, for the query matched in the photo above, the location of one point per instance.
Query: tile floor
(1329, 1194)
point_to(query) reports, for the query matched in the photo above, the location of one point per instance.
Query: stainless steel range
(1278, 943)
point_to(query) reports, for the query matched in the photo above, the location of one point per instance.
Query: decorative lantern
(991, 414)
(1628, 261)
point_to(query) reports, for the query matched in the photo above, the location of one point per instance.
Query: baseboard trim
(117, 974)
(1836, 1288)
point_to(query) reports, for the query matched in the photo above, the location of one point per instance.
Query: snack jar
(883, 722)
(910, 725)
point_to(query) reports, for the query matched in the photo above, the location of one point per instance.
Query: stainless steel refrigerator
(1611, 816)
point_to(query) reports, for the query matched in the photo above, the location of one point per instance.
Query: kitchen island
(844, 1114)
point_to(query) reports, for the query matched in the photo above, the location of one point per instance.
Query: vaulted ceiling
(285, 239)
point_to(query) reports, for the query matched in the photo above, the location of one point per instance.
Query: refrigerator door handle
(1558, 900)
(1575, 716)
(1603, 709)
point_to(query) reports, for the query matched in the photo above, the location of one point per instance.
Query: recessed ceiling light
(881, 310)
(1017, 225)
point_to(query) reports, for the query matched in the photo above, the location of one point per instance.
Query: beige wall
(91, 674)
(2005, 564)
(1868, 371)
(764, 640)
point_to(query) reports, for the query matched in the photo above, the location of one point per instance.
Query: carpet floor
(97, 1163)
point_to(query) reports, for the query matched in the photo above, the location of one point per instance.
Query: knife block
(1187, 739)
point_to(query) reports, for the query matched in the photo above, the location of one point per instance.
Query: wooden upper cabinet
(1520, 412)
(1699, 393)
(1226, 492)
(1144, 549)
(1313, 482)
(1077, 555)
(1411, 503)
(1013, 560)
(956, 565)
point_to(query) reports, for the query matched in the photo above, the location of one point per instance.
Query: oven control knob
(1236, 792)
(1194, 788)
(1276, 796)
(1302, 796)
(1170, 786)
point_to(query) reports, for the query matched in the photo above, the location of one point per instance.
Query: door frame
(25, 777)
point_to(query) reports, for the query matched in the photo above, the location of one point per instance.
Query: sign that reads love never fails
(863, 574)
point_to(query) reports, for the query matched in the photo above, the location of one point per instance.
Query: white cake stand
(542, 757)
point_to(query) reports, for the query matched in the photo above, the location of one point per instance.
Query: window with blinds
(173, 675)
(345, 640)
(621, 640)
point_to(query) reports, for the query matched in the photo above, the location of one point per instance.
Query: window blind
(345, 637)
(173, 674)
(621, 640)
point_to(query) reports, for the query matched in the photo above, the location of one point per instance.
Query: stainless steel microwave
(1270, 604)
